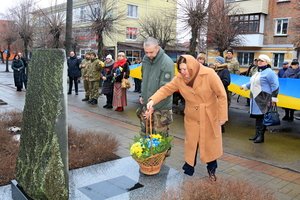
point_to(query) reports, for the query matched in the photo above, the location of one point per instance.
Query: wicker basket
(152, 165)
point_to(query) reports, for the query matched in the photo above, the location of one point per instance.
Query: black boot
(256, 133)
(94, 102)
(85, 99)
(260, 138)
(291, 116)
(188, 169)
(211, 170)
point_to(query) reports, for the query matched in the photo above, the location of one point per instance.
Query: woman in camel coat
(205, 111)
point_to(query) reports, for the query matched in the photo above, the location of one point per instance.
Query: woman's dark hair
(180, 60)
(16, 56)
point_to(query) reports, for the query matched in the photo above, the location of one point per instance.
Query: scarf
(120, 63)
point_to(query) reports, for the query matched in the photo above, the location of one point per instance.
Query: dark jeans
(137, 84)
(71, 80)
(109, 99)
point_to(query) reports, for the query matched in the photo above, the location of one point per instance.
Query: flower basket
(150, 151)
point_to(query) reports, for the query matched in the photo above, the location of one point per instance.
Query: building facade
(126, 36)
(268, 27)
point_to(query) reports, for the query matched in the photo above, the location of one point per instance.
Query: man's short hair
(229, 51)
(150, 41)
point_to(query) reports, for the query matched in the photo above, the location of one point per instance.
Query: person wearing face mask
(206, 110)
(264, 88)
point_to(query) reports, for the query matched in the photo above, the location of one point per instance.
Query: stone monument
(42, 164)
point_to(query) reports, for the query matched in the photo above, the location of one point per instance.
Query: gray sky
(6, 4)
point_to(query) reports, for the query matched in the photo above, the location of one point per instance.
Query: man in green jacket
(84, 66)
(157, 70)
(94, 74)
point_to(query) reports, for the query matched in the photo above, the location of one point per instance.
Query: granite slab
(88, 182)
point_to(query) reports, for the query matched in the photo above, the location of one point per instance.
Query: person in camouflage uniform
(157, 70)
(94, 74)
(233, 67)
(84, 66)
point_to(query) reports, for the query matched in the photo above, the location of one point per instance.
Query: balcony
(251, 6)
(252, 40)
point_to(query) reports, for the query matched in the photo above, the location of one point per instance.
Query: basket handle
(149, 131)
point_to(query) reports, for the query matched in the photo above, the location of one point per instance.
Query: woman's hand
(150, 109)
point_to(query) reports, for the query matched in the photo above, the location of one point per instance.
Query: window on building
(281, 26)
(131, 33)
(132, 55)
(132, 11)
(245, 58)
(278, 59)
(247, 23)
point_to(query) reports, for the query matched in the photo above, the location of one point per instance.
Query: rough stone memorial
(42, 164)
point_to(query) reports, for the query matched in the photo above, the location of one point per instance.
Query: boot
(260, 138)
(90, 101)
(211, 170)
(188, 169)
(94, 102)
(85, 99)
(291, 117)
(256, 133)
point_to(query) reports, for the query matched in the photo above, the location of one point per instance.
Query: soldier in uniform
(94, 74)
(157, 70)
(84, 66)
(233, 67)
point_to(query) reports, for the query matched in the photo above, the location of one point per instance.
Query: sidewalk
(283, 182)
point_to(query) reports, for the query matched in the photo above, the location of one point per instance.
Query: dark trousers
(109, 99)
(137, 84)
(71, 80)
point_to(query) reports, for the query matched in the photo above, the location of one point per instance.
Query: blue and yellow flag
(136, 70)
(289, 90)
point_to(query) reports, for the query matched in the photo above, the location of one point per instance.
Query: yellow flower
(157, 136)
(136, 149)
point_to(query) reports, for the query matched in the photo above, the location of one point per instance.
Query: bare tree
(8, 36)
(69, 21)
(53, 22)
(24, 21)
(103, 16)
(223, 30)
(161, 27)
(296, 27)
(194, 14)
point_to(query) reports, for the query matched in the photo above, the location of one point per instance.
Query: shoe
(254, 137)
(291, 119)
(119, 109)
(285, 118)
(105, 106)
(188, 169)
(76, 93)
(85, 99)
(109, 107)
(94, 102)
(69, 93)
(212, 175)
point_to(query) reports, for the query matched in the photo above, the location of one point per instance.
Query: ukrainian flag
(136, 70)
(289, 90)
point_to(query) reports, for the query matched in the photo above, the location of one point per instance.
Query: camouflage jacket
(84, 66)
(94, 70)
(233, 66)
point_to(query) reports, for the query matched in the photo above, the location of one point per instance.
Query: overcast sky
(6, 4)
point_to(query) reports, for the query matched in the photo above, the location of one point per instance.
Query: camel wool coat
(205, 106)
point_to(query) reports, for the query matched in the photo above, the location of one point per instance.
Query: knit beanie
(220, 59)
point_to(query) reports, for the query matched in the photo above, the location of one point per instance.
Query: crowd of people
(203, 87)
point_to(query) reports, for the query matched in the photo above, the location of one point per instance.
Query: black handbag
(271, 118)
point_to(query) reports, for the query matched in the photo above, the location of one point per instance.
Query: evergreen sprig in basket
(149, 151)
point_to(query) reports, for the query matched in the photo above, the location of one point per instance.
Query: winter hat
(295, 62)
(285, 63)
(109, 57)
(220, 59)
(265, 58)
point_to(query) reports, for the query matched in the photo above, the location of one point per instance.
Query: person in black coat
(25, 70)
(108, 85)
(19, 72)
(73, 72)
(221, 69)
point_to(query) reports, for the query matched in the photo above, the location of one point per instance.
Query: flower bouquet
(149, 152)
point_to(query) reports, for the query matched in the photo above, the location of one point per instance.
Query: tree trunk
(100, 46)
(7, 58)
(68, 42)
(193, 41)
